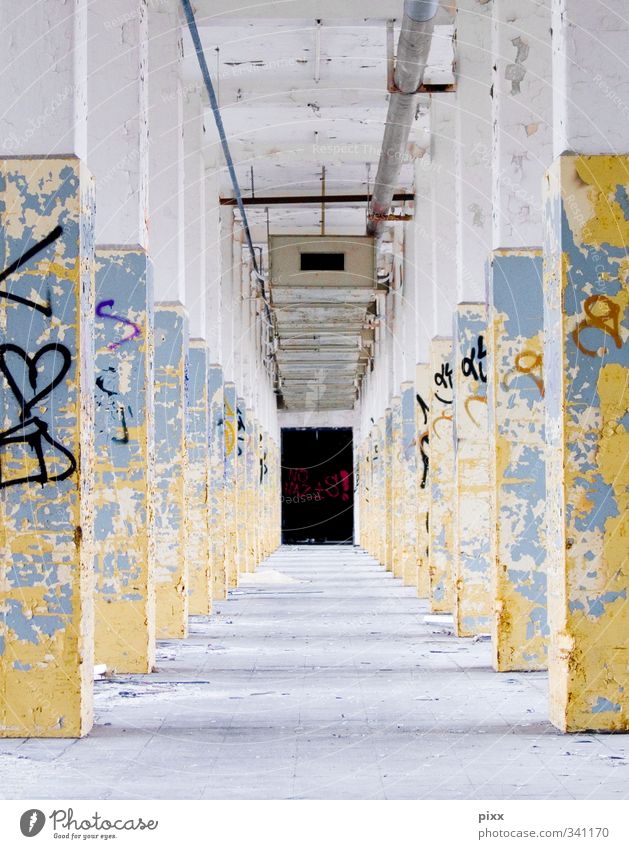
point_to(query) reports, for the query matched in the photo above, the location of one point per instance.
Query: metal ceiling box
(323, 261)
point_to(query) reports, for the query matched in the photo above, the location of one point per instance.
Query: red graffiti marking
(102, 314)
(333, 486)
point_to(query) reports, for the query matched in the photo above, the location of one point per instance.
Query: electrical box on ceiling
(347, 261)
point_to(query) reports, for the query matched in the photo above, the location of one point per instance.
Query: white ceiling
(297, 96)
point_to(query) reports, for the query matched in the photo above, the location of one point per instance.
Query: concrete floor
(318, 678)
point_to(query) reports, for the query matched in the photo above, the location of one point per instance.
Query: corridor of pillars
(140, 443)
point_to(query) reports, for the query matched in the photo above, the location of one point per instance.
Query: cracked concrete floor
(319, 678)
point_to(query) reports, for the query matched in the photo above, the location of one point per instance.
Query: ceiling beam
(289, 200)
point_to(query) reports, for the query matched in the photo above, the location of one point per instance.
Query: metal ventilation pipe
(412, 55)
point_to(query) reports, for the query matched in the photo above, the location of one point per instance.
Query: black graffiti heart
(31, 362)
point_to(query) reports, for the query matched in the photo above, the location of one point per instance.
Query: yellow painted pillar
(266, 501)
(217, 446)
(46, 447)
(423, 377)
(124, 562)
(408, 501)
(171, 563)
(241, 486)
(231, 449)
(472, 566)
(250, 483)
(397, 487)
(386, 428)
(198, 476)
(517, 442)
(442, 489)
(586, 378)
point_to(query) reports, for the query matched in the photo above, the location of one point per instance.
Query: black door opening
(317, 485)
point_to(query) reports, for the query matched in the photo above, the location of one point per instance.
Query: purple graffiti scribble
(101, 314)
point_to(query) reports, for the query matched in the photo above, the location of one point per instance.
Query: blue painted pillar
(197, 496)
(217, 481)
(124, 528)
(231, 451)
(171, 367)
(517, 442)
(473, 598)
(46, 447)
(586, 379)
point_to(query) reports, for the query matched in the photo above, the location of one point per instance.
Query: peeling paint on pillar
(216, 450)
(472, 564)
(397, 486)
(248, 491)
(442, 493)
(171, 564)
(517, 441)
(385, 426)
(230, 425)
(241, 485)
(586, 375)
(124, 560)
(197, 481)
(423, 377)
(46, 449)
(408, 505)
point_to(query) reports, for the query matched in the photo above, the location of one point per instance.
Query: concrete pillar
(397, 487)
(231, 452)
(124, 560)
(166, 153)
(442, 492)
(517, 441)
(213, 265)
(586, 365)
(166, 202)
(586, 359)
(46, 377)
(444, 226)
(171, 345)
(423, 379)
(217, 481)
(522, 149)
(241, 478)
(250, 488)
(195, 215)
(118, 158)
(46, 447)
(408, 504)
(472, 570)
(385, 425)
(200, 585)
(472, 561)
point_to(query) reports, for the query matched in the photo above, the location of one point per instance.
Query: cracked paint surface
(586, 355)
(197, 489)
(230, 425)
(397, 488)
(216, 449)
(442, 491)
(423, 377)
(241, 485)
(517, 440)
(46, 528)
(472, 567)
(124, 456)
(386, 426)
(171, 566)
(408, 510)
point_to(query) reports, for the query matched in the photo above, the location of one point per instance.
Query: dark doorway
(317, 485)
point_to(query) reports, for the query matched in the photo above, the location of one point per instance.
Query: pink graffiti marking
(100, 312)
